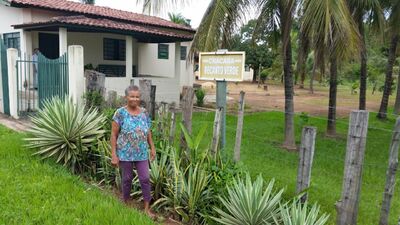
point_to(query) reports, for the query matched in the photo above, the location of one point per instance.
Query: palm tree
(392, 7)
(179, 19)
(276, 17)
(88, 2)
(333, 34)
(361, 9)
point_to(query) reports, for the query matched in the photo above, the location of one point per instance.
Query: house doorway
(49, 45)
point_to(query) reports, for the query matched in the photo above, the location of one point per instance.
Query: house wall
(248, 75)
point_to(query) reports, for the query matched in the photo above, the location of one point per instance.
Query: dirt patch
(273, 99)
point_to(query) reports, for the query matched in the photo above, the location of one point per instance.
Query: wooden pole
(172, 128)
(145, 93)
(187, 110)
(216, 131)
(391, 174)
(347, 206)
(153, 101)
(239, 127)
(306, 156)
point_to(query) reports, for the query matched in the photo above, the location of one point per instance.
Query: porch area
(124, 52)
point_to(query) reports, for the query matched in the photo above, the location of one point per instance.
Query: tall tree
(88, 2)
(335, 35)
(179, 19)
(365, 12)
(392, 7)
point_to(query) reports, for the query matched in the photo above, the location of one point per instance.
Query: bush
(94, 99)
(63, 131)
(200, 94)
(264, 75)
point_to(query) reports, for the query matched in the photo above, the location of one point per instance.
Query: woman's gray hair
(131, 88)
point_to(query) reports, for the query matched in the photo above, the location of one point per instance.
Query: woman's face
(133, 98)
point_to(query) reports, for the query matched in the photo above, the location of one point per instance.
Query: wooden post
(187, 110)
(172, 128)
(153, 102)
(391, 174)
(216, 131)
(306, 156)
(239, 127)
(347, 206)
(221, 103)
(145, 93)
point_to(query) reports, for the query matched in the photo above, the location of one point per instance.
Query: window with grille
(113, 49)
(163, 51)
(12, 40)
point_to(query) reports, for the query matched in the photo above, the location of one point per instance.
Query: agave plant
(187, 193)
(298, 213)
(65, 131)
(160, 170)
(247, 204)
(106, 172)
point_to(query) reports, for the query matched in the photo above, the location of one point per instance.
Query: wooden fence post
(306, 156)
(347, 206)
(239, 128)
(153, 102)
(145, 93)
(187, 110)
(216, 131)
(391, 174)
(172, 128)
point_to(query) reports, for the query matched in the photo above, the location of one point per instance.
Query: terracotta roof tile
(109, 24)
(77, 7)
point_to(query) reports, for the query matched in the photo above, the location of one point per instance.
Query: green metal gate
(39, 79)
(4, 77)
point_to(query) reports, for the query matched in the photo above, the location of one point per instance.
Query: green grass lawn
(261, 153)
(37, 192)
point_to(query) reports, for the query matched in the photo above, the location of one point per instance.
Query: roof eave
(20, 5)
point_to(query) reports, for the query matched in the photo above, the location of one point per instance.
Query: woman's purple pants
(142, 168)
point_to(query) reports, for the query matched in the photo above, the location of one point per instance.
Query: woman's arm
(114, 136)
(152, 148)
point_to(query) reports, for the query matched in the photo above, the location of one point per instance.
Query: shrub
(63, 131)
(200, 94)
(247, 203)
(264, 75)
(94, 99)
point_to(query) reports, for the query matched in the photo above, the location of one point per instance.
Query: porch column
(12, 55)
(63, 43)
(76, 76)
(129, 58)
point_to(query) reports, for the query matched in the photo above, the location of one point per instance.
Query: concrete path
(17, 125)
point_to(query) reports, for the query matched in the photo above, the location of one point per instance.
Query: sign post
(221, 66)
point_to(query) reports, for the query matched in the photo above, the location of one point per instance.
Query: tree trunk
(314, 71)
(388, 79)
(289, 104)
(302, 59)
(397, 102)
(331, 130)
(363, 70)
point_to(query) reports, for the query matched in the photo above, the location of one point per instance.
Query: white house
(125, 46)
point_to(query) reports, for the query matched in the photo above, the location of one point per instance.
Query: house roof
(93, 10)
(144, 33)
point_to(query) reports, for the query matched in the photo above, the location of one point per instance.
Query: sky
(194, 11)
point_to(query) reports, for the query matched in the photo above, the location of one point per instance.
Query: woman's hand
(152, 154)
(114, 160)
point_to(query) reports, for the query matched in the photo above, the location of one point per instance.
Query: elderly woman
(130, 143)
